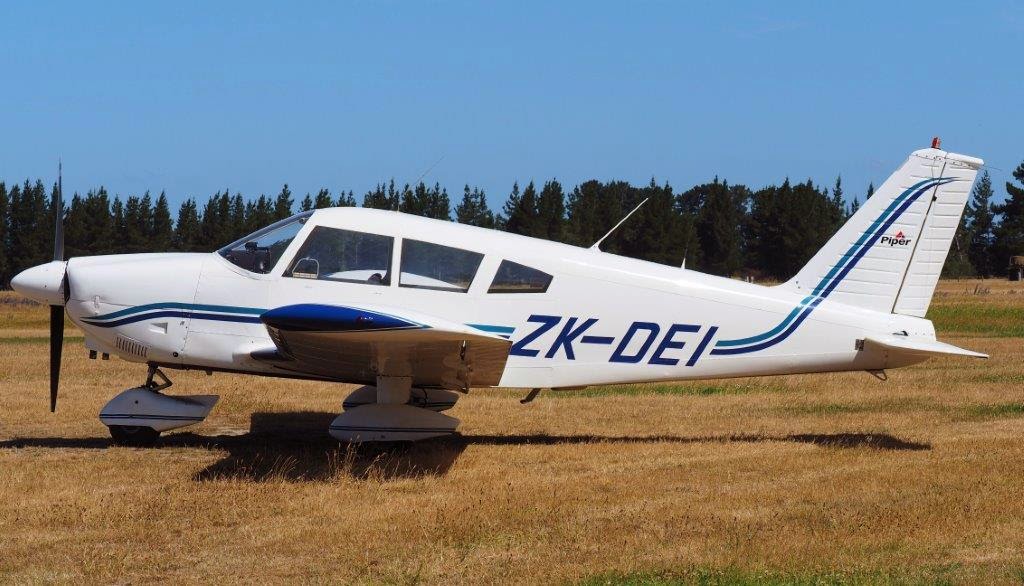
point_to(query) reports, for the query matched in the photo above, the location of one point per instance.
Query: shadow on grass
(295, 447)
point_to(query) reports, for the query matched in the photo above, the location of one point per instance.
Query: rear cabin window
(441, 268)
(513, 277)
(332, 254)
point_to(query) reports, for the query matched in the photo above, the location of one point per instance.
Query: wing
(355, 344)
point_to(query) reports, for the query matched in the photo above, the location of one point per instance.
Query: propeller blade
(58, 215)
(56, 311)
(56, 347)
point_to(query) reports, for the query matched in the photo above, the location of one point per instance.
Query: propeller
(57, 311)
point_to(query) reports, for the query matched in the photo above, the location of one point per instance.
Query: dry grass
(815, 479)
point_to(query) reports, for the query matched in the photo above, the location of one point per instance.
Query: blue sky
(194, 97)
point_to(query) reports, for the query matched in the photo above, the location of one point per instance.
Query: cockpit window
(260, 251)
(332, 254)
(516, 278)
(433, 266)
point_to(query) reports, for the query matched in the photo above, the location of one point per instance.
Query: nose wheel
(136, 436)
(138, 416)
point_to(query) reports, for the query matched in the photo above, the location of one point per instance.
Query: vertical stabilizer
(888, 256)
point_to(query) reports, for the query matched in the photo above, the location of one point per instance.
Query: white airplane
(421, 310)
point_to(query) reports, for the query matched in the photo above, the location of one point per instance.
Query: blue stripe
(315, 317)
(835, 275)
(393, 429)
(160, 417)
(175, 305)
(871, 229)
(186, 314)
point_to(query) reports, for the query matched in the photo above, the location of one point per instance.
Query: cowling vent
(126, 345)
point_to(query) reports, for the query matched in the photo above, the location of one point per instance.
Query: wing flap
(356, 344)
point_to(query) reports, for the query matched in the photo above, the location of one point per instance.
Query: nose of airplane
(43, 283)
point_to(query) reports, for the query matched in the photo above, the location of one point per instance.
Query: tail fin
(888, 256)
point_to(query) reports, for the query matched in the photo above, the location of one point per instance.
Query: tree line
(715, 227)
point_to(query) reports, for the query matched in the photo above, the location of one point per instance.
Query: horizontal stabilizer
(904, 345)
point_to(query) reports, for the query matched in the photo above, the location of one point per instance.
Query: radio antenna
(429, 169)
(597, 245)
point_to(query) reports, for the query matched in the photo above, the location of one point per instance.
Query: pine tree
(789, 224)
(162, 231)
(551, 211)
(582, 212)
(346, 200)
(118, 240)
(837, 197)
(720, 225)
(30, 227)
(133, 232)
(283, 204)
(382, 199)
(657, 232)
(1009, 233)
(307, 203)
(520, 215)
(187, 230)
(981, 221)
(323, 199)
(854, 206)
(99, 233)
(438, 205)
(5, 276)
(473, 210)
(213, 231)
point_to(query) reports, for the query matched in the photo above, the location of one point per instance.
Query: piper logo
(896, 240)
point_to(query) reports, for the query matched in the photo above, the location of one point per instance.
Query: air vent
(126, 345)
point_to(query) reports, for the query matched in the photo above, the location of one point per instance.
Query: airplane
(420, 311)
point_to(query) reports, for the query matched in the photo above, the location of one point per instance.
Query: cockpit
(352, 256)
(259, 252)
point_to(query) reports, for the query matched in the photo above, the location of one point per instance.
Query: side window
(331, 254)
(442, 268)
(513, 277)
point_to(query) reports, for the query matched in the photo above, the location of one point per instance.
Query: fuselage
(598, 319)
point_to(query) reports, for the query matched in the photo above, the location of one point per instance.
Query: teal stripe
(174, 305)
(493, 329)
(741, 342)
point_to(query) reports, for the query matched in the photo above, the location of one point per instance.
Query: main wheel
(134, 435)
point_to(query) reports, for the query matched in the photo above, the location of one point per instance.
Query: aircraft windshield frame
(252, 264)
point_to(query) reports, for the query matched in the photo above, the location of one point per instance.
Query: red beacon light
(936, 142)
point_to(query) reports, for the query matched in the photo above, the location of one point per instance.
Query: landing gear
(393, 411)
(135, 436)
(138, 416)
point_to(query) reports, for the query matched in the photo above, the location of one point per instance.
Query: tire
(134, 435)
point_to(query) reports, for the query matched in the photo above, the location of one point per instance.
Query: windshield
(260, 251)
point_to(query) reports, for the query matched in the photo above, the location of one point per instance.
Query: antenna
(429, 169)
(597, 245)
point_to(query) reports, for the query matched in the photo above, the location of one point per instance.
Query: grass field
(806, 479)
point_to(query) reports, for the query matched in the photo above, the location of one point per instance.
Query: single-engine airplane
(420, 311)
